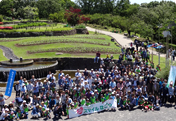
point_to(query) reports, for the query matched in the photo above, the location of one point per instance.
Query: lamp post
(167, 34)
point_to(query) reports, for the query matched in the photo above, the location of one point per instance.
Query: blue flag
(172, 76)
(9, 86)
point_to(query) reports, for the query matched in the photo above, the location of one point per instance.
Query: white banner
(93, 108)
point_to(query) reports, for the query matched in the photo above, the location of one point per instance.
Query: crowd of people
(132, 85)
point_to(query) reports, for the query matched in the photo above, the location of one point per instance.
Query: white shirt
(86, 86)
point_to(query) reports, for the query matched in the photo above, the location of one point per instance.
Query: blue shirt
(112, 84)
(36, 89)
(23, 89)
(60, 82)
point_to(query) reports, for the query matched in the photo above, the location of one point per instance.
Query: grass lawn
(2, 58)
(21, 51)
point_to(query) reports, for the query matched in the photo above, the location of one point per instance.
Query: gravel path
(8, 53)
(121, 39)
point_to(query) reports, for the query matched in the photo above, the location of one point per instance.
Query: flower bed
(9, 40)
(62, 41)
(77, 50)
(6, 27)
(1, 23)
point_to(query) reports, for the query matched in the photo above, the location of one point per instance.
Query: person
(171, 93)
(29, 88)
(58, 112)
(35, 112)
(47, 114)
(157, 103)
(5, 116)
(173, 54)
(17, 88)
(96, 59)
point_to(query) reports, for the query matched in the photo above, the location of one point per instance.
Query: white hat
(6, 109)
(37, 104)
(110, 89)
(23, 84)
(24, 101)
(44, 80)
(69, 77)
(92, 93)
(117, 94)
(95, 90)
(100, 82)
(92, 69)
(47, 109)
(81, 78)
(38, 97)
(112, 93)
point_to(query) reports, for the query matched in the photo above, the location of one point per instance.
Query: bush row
(78, 50)
(36, 30)
(24, 25)
(62, 41)
(33, 34)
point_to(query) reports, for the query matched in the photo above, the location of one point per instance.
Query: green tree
(30, 12)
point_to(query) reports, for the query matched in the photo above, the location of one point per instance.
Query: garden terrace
(69, 40)
(78, 50)
(77, 46)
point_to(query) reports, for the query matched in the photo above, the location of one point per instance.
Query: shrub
(57, 17)
(1, 18)
(80, 26)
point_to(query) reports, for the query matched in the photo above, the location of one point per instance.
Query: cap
(6, 109)
(37, 104)
(92, 93)
(38, 97)
(47, 109)
(24, 101)
(69, 77)
(44, 80)
(117, 94)
(112, 93)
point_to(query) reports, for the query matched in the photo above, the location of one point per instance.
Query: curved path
(121, 39)
(8, 53)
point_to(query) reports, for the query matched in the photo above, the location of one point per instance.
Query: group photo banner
(93, 108)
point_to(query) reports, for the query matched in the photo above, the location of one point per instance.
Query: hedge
(24, 25)
(35, 30)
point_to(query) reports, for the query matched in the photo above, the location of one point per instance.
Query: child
(145, 105)
(75, 104)
(106, 95)
(150, 106)
(47, 114)
(11, 116)
(67, 109)
(102, 98)
(87, 102)
(157, 103)
(82, 101)
(25, 113)
(141, 102)
(19, 114)
(123, 103)
(118, 100)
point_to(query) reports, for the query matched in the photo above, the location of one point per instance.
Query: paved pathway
(8, 53)
(121, 39)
